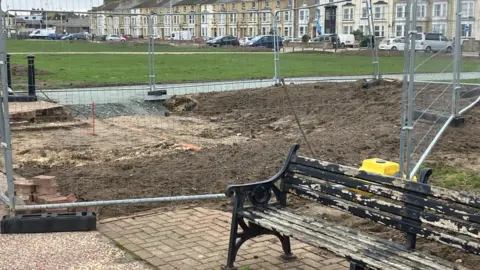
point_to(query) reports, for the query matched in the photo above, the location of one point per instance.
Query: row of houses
(253, 17)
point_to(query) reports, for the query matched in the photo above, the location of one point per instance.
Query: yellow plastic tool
(379, 166)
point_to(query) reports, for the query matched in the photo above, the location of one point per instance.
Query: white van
(346, 40)
(180, 35)
(433, 42)
(42, 33)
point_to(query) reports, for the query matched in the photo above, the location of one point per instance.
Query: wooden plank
(390, 221)
(465, 198)
(398, 254)
(458, 226)
(323, 226)
(457, 211)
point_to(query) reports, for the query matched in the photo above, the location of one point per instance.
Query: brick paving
(197, 238)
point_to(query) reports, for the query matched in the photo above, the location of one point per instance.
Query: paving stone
(197, 238)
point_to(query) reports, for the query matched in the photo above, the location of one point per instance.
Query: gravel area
(119, 109)
(79, 250)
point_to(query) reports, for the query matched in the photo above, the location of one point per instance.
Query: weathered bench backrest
(447, 216)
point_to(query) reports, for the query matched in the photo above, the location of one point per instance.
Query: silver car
(433, 42)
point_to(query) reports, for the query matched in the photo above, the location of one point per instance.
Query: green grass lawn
(33, 46)
(454, 177)
(88, 70)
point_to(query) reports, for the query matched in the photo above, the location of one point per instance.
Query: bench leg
(356, 266)
(287, 248)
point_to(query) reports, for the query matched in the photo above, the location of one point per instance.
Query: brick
(143, 254)
(40, 190)
(155, 261)
(333, 260)
(24, 187)
(45, 180)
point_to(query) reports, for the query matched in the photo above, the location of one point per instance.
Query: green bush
(305, 38)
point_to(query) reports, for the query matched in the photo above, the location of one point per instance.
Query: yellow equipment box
(379, 166)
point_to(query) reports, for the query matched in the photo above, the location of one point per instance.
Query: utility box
(380, 166)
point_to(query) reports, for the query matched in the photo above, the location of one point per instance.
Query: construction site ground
(211, 140)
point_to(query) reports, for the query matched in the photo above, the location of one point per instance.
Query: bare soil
(243, 135)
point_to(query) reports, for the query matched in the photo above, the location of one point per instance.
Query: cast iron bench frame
(416, 208)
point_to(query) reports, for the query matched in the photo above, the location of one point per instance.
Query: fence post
(276, 58)
(5, 120)
(151, 52)
(31, 75)
(457, 60)
(9, 72)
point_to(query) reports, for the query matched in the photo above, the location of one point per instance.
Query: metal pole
(276, 58)
(411, 83)
(9, 72)
(457, 59)
(6, 140)
(123, 202)
(430, 147)
(371, 25)
(150, 39)
(404, 92)
(152, 72)
(171, 19)
(464, 110)
(31, 75)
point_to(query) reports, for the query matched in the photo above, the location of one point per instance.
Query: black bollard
(31, 75)
(9, 72)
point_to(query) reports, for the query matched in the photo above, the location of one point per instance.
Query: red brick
(43, 190)
(24, 187)
(45, 180)
(47, 199)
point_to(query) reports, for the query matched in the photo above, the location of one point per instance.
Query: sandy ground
(80, 250)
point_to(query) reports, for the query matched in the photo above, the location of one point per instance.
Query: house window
(232, 18)
(286, 16)
(421, 11)
(234, 6)
(222, 18)
(277, 4)
(290, 3)
(264, 17)
(439, 28)
(345, 29)
(285, 32)
(253, 4)
(203, 31)
(347, 14)
(379, 13)
(204, 19)
(364, 12)
(466, 33)
(184, 9)
(379, 30)
(223, 6)
(267, 4)
(302, 31)
(317, 2)
(400, 11)
(243, 5)
(400, 30)
(252, 19)
(318, 14)
(176, 19)
(467, 9)
(191, 19)
(440, 10)
(243, 17)
(303, 16)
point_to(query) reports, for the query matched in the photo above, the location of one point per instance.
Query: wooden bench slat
(450, 224)
(376, 216)
(354, 236)
(389, 249)
(460, 212)
(424, 189)
(365, 250)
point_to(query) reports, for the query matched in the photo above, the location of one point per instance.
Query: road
(103, 95)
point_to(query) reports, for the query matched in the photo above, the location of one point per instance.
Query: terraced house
(253, 17)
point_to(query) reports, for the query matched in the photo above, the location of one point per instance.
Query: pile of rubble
(42, 189)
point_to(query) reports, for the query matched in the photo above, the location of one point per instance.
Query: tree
(358, 34)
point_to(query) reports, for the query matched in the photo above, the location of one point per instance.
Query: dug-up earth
(243, 136)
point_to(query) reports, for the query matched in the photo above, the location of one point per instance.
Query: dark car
(266, 41)
(223, 40)
(75, 37)
(55, 36)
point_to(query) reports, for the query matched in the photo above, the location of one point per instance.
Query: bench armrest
(260, 192)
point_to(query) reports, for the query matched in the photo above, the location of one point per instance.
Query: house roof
(111, 6)
(127, 4)
(189, 2)
(146, 4)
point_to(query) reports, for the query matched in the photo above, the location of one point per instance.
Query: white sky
(60, 5)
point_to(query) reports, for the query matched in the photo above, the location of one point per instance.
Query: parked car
(55, 36)
(198, 39)
(266, 41)
(222, 41)
(115, 38)
(126, 37)
(393, 44)
(433, 42)
(74, 37)
(243, 41)
(346, 40)
(321, 38)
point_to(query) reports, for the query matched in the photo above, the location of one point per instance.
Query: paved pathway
(197, 238)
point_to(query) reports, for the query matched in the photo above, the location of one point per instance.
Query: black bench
(418, 209)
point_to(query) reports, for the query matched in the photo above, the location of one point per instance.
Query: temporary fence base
(49, 222)
(435, 116)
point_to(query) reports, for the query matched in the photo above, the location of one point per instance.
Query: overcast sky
(60, 5)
